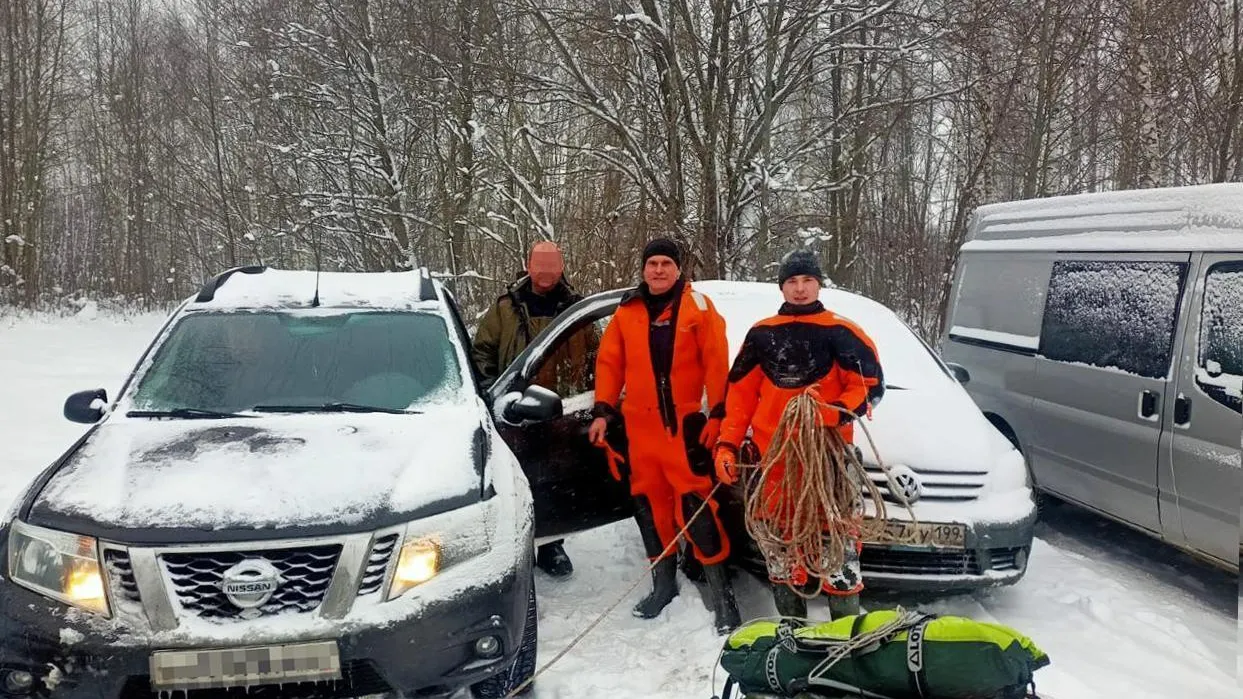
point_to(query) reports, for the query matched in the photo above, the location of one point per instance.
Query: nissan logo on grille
(251, 583)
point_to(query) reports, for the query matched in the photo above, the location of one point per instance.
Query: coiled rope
(806, 516)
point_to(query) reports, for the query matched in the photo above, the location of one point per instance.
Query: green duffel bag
(892, 654)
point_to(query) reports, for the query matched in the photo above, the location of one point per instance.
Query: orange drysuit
(665, 359)
(801, 348)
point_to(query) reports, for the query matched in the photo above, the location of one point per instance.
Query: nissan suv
(301, 490)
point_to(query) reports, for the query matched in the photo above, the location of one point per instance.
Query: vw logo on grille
(251, 583)
(903, 483)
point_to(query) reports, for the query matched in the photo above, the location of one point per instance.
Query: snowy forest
(148, 144)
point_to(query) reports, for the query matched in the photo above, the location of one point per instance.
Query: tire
(523, 668)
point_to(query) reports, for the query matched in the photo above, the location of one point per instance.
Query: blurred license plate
(241, 667)
(941, 535)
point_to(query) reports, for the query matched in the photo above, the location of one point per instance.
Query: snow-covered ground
(1118, 616)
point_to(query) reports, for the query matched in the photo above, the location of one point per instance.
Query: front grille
(377, 564)
(121, 575)
(305, 575)
(952, 486)
(887, 560)
(358, 678)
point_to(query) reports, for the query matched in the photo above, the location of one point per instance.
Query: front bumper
(418, 645)
(994, 552)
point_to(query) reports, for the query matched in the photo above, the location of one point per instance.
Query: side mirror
(1213, 369)
(960, 372)
(86, 407)
(536, 405)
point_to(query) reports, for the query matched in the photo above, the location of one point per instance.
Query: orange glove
(711, 432)
(727, 465)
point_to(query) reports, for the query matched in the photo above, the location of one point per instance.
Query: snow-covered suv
(301, 489)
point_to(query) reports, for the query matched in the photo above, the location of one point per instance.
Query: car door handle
(1182, 411)
(1148, 403)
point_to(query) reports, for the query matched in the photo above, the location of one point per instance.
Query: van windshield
(231, 362)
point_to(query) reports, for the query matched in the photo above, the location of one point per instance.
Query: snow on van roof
(1200, 217)
(279, 288)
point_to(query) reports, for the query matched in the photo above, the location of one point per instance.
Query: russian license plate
(244, 667)
(938, 534)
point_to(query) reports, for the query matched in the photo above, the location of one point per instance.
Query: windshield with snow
(230, 362)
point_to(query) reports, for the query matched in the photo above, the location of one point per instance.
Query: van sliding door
(1102, 374)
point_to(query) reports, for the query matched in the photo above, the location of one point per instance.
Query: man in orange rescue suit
(665, 345)
(803, 347)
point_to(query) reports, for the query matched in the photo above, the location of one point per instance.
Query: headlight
(437, 543)
(59, 565)
(419, 562)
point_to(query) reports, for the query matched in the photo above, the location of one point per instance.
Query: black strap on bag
(728, 691)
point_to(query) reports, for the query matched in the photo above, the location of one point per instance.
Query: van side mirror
(86, 407)
(961, 375)
(536, 404)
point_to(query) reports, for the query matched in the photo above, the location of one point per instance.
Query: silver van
(1103, 334)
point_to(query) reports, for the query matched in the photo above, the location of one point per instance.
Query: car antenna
(315, 299)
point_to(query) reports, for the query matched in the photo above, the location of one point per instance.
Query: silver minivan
(1103, 334)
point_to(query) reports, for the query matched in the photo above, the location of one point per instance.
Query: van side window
(1000, 300)
(1219, 366)
(1117, 315)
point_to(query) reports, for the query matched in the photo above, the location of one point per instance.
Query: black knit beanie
(663, 246)
(799, 262)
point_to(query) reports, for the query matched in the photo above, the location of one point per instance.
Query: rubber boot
(664, 589)
(789, 603)
(843, 606)
(552, 559)
(724, 606)
(665, 574)
(689, 565)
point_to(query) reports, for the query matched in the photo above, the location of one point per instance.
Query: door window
(1219, 365)
(568, 367)
(1113, 315)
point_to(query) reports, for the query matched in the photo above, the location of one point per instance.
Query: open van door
(1200, 446)
(569, 477)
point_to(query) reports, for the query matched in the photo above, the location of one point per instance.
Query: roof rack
(208, 292)
(427, 289)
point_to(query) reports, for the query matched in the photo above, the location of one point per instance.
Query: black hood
(189, 481)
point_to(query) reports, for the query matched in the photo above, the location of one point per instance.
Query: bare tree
(32, 60)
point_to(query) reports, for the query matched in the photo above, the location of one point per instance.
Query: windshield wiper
(331, 408)
(185, 414)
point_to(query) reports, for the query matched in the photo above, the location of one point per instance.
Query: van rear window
(1113, 315)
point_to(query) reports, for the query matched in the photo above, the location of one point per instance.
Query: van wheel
(500, 685)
